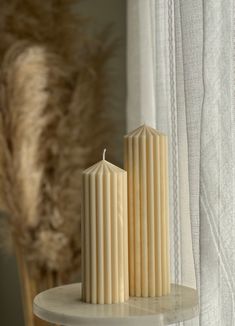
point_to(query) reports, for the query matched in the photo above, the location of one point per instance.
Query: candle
(146, 163)
(105, 234)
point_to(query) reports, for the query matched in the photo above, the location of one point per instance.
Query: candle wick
(104, 154)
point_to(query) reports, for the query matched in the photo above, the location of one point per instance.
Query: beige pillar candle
(147, 169)
(105, 234)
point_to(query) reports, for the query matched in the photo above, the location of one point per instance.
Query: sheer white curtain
(181, 56)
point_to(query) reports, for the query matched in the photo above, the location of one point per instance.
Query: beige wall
(102, 12)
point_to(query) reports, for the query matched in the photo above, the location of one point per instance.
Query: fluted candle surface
(105, 234)
(146, 163)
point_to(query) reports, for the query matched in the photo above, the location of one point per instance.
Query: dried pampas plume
(52, 125)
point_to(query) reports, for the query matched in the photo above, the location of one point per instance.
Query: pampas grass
(52, 125)
(54, 98)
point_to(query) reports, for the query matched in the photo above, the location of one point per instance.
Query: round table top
(62, 305)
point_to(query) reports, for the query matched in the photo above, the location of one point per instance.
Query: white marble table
(62, 305)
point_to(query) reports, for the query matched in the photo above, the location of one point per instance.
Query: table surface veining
(62, 305)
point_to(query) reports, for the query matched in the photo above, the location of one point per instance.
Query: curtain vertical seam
(200, 162)
(184, 93)
(174, 142)
(233, 119)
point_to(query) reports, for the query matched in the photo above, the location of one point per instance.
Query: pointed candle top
(103, 166)
(142, 130)
(104, 154)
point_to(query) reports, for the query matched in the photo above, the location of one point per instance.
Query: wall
(102, 12)
(112, 12)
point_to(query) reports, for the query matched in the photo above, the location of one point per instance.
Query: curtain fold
(217, 204)
(181, 81)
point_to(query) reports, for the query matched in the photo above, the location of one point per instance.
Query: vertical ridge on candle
(83, 246)
(93, 242)
(144, 217)
(87, 239)
(158, 237)
(114, 239)
(151, 218)
(163, 215)
(100, 236)
(107, 237)
(120, 241)
(131, 232)
(125, 241)
(136, 191)
(146, 164)
(105, 234)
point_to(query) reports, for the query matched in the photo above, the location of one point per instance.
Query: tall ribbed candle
(105, 234)
(146, 163)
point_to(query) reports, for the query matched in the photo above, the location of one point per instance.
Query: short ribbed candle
(146, 163)
(105, 234)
